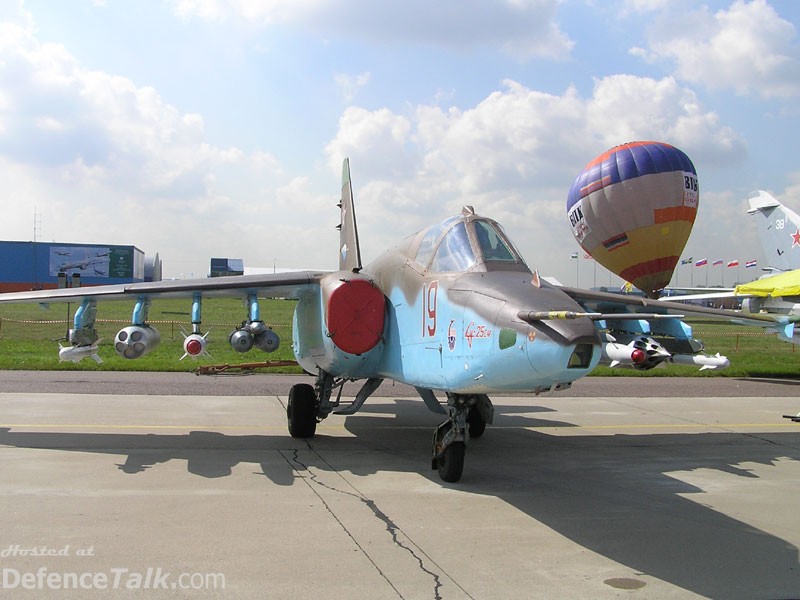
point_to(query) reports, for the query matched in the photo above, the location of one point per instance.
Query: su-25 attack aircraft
(453, 308)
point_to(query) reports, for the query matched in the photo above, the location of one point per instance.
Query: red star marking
(795, 238)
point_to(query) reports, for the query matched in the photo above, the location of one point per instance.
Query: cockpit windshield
(455, 252)
(493, 244)
(428, 244)
(460, 243)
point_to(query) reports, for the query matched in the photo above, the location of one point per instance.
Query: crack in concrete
(391, 527)
(294, 462)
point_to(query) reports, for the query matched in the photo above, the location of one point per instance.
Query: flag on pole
(750, 263)
(733, 263)
(701, 263)
(687, 261)
(574, 255)
(716, 262)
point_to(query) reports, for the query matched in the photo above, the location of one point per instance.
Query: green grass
(29, 334)
(752, 353)
(28, 337)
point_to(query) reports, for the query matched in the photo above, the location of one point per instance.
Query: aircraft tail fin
(778, 231)
(349, 252)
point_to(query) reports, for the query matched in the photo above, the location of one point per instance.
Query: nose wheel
(467, 417)
(449, 447)
(450, 463)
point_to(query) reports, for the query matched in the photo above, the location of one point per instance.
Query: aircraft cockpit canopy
(463, 242)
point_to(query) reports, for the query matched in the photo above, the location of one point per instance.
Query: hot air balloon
(632, 209)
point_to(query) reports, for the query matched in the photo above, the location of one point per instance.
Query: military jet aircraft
(452, 309)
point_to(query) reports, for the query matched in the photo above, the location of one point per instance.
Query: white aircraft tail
(349, 252)
(778, 230)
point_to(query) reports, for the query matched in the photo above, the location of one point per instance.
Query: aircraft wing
(606, 302)
(277, 285)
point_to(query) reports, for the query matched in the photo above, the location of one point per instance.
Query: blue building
(42, 265)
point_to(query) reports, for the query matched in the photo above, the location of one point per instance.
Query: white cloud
(83, 144)
(378, 138)
(522, 28)
(108, 161)
(59, 114)
(748, 48)
(514, 155)
(349, 85)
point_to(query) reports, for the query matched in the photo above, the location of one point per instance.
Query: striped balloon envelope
(632, 209)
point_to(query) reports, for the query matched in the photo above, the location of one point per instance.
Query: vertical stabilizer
(778, 231)
(349, 252)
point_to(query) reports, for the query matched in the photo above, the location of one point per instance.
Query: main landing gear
(301, 411)
(467, 417)
(308, 405)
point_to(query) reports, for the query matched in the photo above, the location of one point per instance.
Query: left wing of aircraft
(660, 339)
(139, 338)
(279, 285)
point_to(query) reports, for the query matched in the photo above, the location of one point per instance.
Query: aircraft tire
(301, 411)
(475, 423)
(451, 463)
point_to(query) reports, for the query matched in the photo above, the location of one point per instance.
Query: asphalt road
(259, 384)
(143, 485)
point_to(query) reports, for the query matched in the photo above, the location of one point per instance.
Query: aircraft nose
(564, 344)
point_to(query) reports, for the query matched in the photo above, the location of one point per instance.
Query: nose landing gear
(467, 417)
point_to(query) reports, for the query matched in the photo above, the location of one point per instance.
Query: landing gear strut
(467, 417)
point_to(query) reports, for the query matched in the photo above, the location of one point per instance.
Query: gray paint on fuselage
(480, 302)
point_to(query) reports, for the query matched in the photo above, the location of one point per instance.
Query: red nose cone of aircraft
(638, 356)
(194, 347)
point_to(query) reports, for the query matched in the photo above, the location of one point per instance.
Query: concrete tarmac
(618, 488)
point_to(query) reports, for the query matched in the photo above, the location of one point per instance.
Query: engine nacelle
(135, 341)
(254, 333)
(354, 314)
(340, 327)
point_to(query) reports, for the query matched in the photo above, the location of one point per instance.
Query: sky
(217, 128)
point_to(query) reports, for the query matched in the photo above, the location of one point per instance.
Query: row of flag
(731, 263)
(700, 263)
